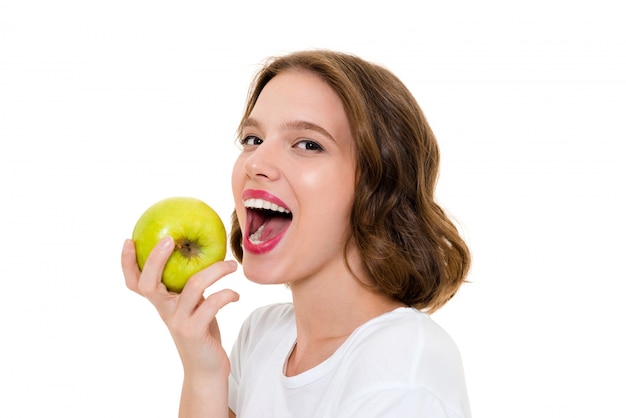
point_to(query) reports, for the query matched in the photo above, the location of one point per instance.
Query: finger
(216, 301)
(192, 294)
(129, 265)
(150, 279)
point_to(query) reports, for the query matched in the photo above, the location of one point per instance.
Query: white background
(106, 107)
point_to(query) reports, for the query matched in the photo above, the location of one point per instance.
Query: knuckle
(195, 283)
(184, 330)
(217, 300)
(143, 287)
(131, 285)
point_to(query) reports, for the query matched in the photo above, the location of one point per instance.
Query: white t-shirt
(400, 364)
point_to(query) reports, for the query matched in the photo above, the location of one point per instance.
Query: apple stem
(188, 248)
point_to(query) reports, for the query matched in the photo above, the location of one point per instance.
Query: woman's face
(293, 182)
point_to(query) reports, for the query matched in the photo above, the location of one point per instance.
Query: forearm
(206, 399)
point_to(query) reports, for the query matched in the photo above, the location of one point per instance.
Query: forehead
(298, 95)
(298, 98)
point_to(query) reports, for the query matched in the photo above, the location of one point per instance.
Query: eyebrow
(292, 125)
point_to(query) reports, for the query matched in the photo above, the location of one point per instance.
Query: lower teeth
(256, 237)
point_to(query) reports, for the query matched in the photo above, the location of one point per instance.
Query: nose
(262, 162)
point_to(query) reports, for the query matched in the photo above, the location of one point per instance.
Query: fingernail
(166, 243)
(128, 244)
(232, 263)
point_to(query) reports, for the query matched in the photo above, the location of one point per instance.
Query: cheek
(331, 193)
(334, 178)
(237, 178)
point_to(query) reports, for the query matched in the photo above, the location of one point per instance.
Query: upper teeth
(264, 204)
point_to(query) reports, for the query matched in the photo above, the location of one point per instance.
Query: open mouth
(266, 221)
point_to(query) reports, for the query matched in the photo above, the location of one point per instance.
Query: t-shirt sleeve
(237, 358)
(252, 330)
(399, 402)
(408, 367)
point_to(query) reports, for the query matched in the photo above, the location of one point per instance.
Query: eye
(309, 145)
(251, 140)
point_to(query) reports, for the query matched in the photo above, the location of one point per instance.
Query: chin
(259, 272)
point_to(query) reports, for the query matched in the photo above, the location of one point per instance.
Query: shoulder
(275, 311)
(407, 334)
(410, 344)
(261, 333)
(270, 315)
(262, 320)
(405, 351)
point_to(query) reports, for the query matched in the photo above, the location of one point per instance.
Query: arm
(190, 318)
(204, 399)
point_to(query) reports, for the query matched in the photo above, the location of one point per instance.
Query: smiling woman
(334, 196)
(301, 158)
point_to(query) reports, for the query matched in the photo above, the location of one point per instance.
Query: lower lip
(263, 247)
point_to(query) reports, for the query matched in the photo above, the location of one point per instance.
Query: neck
(328, 309)
(336, 309)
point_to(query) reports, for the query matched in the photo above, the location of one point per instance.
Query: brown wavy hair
(410, 248)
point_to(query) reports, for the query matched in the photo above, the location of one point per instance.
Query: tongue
(271, 228)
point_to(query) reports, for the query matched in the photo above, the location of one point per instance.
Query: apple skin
(198, 232)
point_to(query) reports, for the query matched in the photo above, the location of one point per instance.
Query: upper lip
(264, 199)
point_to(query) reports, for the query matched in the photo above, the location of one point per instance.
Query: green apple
(198, 232)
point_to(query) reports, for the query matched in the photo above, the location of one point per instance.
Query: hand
(189, 316)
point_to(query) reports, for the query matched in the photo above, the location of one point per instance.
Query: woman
(334, 196)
